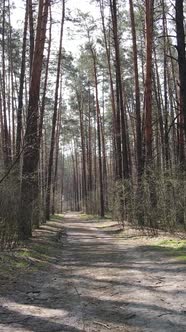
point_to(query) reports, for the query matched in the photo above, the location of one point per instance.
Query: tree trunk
(6, 143)
(42, 110)
(54, 120)
(119, 92)
(148, 80)
(84, 172)
(137, 94)
(181, 59)
(102, 207)
(21, 86)
(115, 125)
(31, 29)
(29, 187)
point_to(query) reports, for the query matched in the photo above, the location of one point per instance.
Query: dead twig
(102, 324)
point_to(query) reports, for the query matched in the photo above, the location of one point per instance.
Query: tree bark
(119, 93)
(6, 142)
(54, 119)
(102, 203)
(29, 187)
(21, 86)
(149, 5)
(31, 29)
(137, 94)
(181, 61)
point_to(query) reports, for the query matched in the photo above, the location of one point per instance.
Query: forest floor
(82, 275)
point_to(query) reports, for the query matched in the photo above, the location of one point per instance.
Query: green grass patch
(85, 216)
(11, 265)
(26, 260)
(39, 253)
(93, 217)
(172, 247)
(57, 217)
(172, 243)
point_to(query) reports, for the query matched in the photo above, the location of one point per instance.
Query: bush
(159, 202)
(9, 205)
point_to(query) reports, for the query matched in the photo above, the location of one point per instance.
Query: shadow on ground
(91, 281)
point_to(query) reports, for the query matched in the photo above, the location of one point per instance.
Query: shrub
(158, 202)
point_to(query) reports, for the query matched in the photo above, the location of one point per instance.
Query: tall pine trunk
(137, 94)
(54, 119)
(148, 80)
(121, 123)
(98, 115)
(29, 188)
(21, 86)
(182, 64)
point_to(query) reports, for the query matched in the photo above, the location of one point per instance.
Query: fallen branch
(102, 324)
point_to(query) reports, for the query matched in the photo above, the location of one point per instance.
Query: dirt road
(95, 281)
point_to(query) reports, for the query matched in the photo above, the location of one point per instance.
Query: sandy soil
(95, 281)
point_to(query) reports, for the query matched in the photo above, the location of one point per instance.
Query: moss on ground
(36, 254)
(57, 217)
(24, 260)
(172, 247)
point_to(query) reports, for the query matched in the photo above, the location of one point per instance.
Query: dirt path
(94, 282)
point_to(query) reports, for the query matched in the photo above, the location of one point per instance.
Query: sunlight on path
(98, 283)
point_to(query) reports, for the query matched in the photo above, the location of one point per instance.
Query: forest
(100, 129)
(92, 124)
